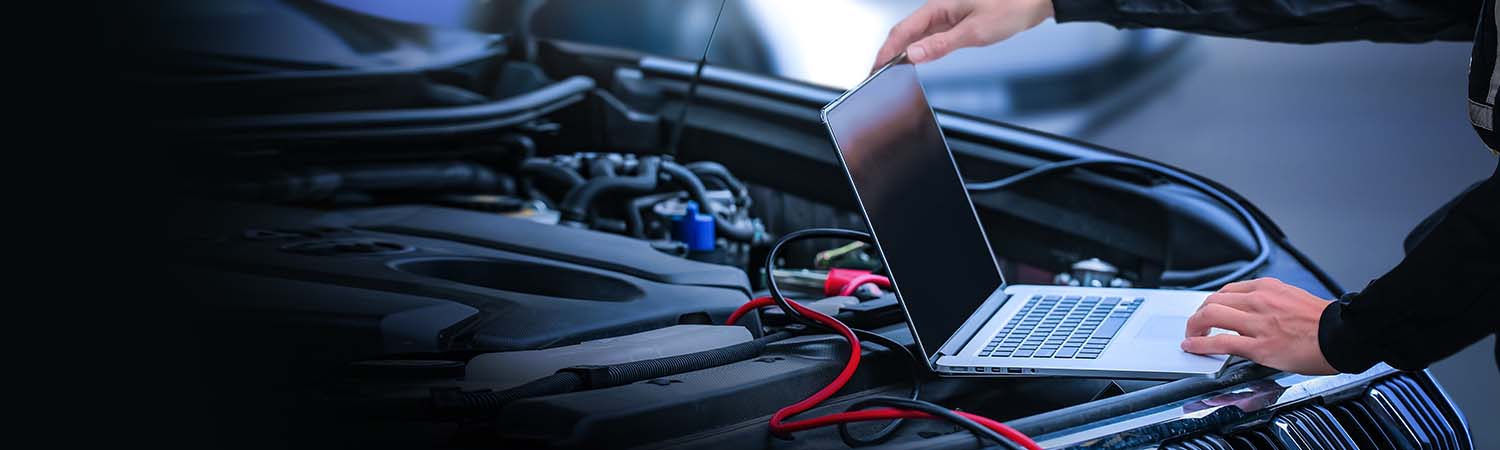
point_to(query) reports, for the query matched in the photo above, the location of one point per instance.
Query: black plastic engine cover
(441, 278)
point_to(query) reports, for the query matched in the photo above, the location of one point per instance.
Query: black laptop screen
(914, 198)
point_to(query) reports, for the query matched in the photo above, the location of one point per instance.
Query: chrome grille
(1395, 413)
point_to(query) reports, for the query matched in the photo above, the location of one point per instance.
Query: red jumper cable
(781, 428)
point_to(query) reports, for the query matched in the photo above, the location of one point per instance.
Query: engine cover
(419, 278)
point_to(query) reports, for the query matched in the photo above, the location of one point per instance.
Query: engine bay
(372, 275)
(420, 282)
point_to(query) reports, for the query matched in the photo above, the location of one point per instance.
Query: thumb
(938, 45)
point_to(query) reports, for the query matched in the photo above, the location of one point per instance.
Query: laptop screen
(914, 199)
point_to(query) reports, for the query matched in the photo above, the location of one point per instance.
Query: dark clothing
(1446, 294)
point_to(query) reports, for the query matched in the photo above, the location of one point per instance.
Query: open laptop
(965, 319)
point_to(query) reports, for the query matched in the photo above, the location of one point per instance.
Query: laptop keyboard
(1054, 326)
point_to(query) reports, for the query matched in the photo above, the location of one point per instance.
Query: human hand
(1277, 325)
(941, 26)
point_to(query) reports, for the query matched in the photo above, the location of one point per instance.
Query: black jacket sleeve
(1444, 296)
(1302, 21)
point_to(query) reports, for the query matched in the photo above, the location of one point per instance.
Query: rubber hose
(522, 146)
(546, 168)
(602, 167)
(710, 169)
(741, 231)
(575, 206)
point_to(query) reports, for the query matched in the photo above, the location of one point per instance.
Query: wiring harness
(882, 408)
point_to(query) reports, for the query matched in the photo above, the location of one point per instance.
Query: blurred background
(1346, 146)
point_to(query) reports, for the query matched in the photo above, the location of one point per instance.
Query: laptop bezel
(992, 303)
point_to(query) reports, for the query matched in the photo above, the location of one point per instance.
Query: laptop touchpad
(1170, 327)
(1163, 327)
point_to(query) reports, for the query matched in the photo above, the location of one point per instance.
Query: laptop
(965, 319)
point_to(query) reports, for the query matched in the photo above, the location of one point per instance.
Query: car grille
(1395, 413)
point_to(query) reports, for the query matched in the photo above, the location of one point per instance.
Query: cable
(1033, 173)
(936, 411)
(1261, 239)
(853, 283)
(885, 432)
(889, 430)
(812, 318)
(778, 426)
(807, 316)
(891, 413)
(782, 428)
(810, 233)
(752, 305)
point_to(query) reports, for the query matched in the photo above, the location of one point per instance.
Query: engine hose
(710, 169)
(546, 168)
(598, 377)
(575, 206)
(738, 230)
(602, 167)
(525, 147)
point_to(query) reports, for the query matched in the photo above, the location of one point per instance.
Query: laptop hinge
(982, 315)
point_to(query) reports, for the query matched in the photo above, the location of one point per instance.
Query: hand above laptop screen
(1277, 325)
(941, 26)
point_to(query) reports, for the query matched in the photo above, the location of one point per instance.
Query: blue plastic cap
(694, 229)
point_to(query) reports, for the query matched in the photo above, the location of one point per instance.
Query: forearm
(1302, 21)
(1444, 296)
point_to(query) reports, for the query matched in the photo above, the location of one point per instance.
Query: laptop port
(1013, 370)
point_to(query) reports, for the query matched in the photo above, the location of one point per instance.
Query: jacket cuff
(1340, 341)
(1083, 10)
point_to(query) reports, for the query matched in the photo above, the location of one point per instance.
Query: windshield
(1056, 78)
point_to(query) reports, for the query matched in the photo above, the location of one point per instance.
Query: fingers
(1219, 316)
(1249, 285)
(1242, 302)
(940, 44)
(1238, 287)
(1220, 344)
(913, 27)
